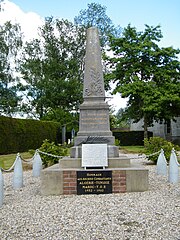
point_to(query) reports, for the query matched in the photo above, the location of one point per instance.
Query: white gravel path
(154, 214)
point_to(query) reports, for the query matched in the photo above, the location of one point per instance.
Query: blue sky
(122, 12)
(166, 13)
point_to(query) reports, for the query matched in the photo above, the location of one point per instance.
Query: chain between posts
(56, 156)
(146, 156)
(11, 168)
(29, 160)
(18, 155)
(49, 154)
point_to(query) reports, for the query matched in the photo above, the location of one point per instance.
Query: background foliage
(147, 74)
(20, 135)
(10, 45)
(54, 149)
(155, 144)
(43, 78)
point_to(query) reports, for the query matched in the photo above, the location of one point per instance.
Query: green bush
(52, 148)
(155, 144)
(117, 142)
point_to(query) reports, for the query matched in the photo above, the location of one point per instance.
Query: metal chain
(11, 168)
(49, 154)
(146, 156)
(153, 154)
(29, 160)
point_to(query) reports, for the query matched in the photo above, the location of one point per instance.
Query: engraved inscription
(94, 182)
(94, 155)
(92, 119)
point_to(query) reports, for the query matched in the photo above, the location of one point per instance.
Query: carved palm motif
(95, 86)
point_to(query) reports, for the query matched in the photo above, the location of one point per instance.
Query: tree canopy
(95, 16)
(50, 73)
(53, 65)
(10, 44)
(52, 68)
(147, 74)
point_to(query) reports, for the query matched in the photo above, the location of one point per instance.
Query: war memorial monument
(95, 165)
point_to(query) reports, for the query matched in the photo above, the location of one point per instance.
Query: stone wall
(160, 130)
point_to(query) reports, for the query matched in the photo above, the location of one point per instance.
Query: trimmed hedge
(19, 135)
(131, 138)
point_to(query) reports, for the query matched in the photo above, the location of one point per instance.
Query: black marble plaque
(94, 182)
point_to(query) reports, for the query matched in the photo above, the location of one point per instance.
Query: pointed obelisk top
(93, 75)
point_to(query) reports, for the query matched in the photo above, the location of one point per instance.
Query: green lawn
(6, 161)
(132, 149)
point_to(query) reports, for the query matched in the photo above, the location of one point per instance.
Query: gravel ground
(154, 214)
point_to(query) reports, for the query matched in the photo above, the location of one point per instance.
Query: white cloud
(29, 21)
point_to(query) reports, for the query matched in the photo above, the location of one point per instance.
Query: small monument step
(75, 163)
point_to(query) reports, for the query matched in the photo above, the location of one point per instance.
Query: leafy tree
(112, 119)
(147, 74)
(119, 119)
(123, 120)
(95, 16)
(68, 118)
(52, 68)
(10, 44)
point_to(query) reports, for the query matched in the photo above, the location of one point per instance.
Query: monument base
(63, 178)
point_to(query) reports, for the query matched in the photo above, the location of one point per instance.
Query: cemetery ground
(154, 214)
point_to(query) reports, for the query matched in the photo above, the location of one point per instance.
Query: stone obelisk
(94, 124)
(66, 177)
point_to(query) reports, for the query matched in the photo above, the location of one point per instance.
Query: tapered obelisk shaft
(94, 111)
(93, 75)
